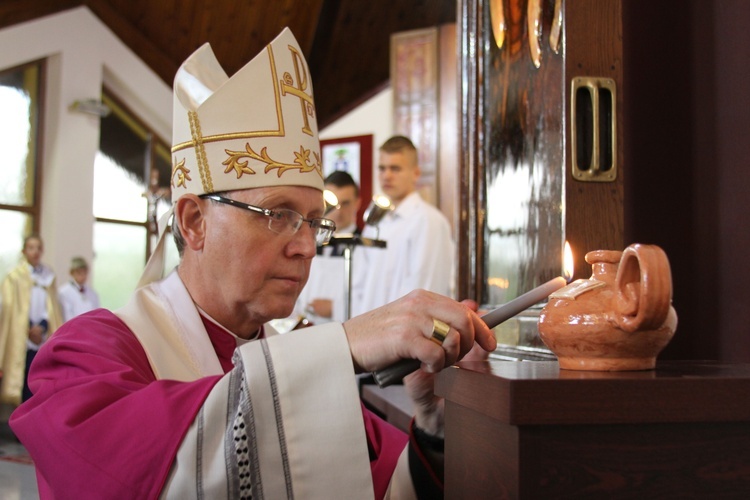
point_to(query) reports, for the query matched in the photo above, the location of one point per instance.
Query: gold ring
(439, 331)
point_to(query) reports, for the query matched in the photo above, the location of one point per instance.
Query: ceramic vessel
(619, 319)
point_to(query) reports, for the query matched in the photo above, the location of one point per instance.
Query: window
(20, 102)
(132, 172)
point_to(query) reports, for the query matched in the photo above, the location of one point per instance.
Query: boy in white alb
(75, 296)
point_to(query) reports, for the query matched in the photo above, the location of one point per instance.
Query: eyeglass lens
(283, 220)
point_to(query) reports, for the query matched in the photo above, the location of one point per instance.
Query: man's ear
(189, 211)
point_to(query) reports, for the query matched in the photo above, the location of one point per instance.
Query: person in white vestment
(419, 253)
(76, 296)
(29, 315)
(186, 392)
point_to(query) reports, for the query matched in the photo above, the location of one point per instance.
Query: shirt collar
(41, 275)
(240, 340)
(407, 206)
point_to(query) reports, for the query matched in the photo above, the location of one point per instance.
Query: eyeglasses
(282, 220)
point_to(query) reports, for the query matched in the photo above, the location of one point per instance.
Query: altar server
(77, 296)
(419, 252)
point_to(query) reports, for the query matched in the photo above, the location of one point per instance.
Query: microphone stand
(349, 242)
(378, 208)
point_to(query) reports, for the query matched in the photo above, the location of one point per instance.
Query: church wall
(374, 116)
(82, 54)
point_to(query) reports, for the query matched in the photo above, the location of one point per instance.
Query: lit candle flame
(568, 261)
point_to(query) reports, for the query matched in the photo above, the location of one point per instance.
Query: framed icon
(354, 156)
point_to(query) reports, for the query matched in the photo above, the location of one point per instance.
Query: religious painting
(415, 82)
(354, 156)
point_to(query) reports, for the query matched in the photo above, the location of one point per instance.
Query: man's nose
(303, 241)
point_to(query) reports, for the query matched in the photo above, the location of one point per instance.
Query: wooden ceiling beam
(346, 42)
(152, 55)
(19, 11)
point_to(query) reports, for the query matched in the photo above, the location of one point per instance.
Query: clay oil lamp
(619, 319)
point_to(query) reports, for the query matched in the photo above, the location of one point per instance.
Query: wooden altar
(531, 430)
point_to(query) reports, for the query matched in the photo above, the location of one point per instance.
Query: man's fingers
(485, 337)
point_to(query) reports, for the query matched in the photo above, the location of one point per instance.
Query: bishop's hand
(404, 329)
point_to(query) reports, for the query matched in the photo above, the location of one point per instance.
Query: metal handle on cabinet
(593, 125)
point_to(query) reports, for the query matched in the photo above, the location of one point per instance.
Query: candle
(397, 371)
(523, 302)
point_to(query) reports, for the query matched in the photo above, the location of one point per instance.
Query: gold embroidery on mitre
(307, 104)
(238, 161)
(234, 163)
(182, 174)
(229, 136)
(302, 162)
(200, 152)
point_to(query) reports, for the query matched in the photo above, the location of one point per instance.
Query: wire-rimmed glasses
(283, 220)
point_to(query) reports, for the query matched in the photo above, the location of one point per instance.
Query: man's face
(248, 272)
(33, 250)
(398, 173)
(349, 202)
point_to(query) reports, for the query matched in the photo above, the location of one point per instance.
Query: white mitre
(256, 129)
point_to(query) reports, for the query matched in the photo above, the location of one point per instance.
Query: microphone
(378, 208)
(332, 201)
